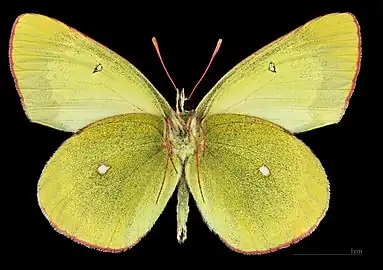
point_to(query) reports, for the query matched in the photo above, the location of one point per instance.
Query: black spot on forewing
(272, 67)
(98, 68)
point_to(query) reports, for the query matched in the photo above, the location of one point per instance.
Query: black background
(187, 36)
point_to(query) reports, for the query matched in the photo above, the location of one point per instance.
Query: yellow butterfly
(257, 186)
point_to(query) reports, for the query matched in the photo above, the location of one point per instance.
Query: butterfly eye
(98, 68)
(272, 67)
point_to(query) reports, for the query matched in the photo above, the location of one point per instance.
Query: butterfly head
(183, 133)
(181, 98)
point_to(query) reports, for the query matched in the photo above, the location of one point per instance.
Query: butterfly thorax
(183, 134)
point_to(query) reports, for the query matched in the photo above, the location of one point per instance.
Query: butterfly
(257, 186)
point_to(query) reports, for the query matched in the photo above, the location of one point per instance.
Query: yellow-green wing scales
(101, 186)
(301, 81)
(262, 187)
(66, 80)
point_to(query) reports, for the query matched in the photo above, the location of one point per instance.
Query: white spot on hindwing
(272, 67)
(103, 169)
(264, 170)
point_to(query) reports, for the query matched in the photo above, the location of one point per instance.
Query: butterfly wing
(301, 81)
(67, 80)
(257, 186)
(106, 185)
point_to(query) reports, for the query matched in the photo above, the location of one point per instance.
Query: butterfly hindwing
(106, 185)
(257, 186)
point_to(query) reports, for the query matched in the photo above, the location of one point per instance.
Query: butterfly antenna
(211, 60)
(162, 62)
